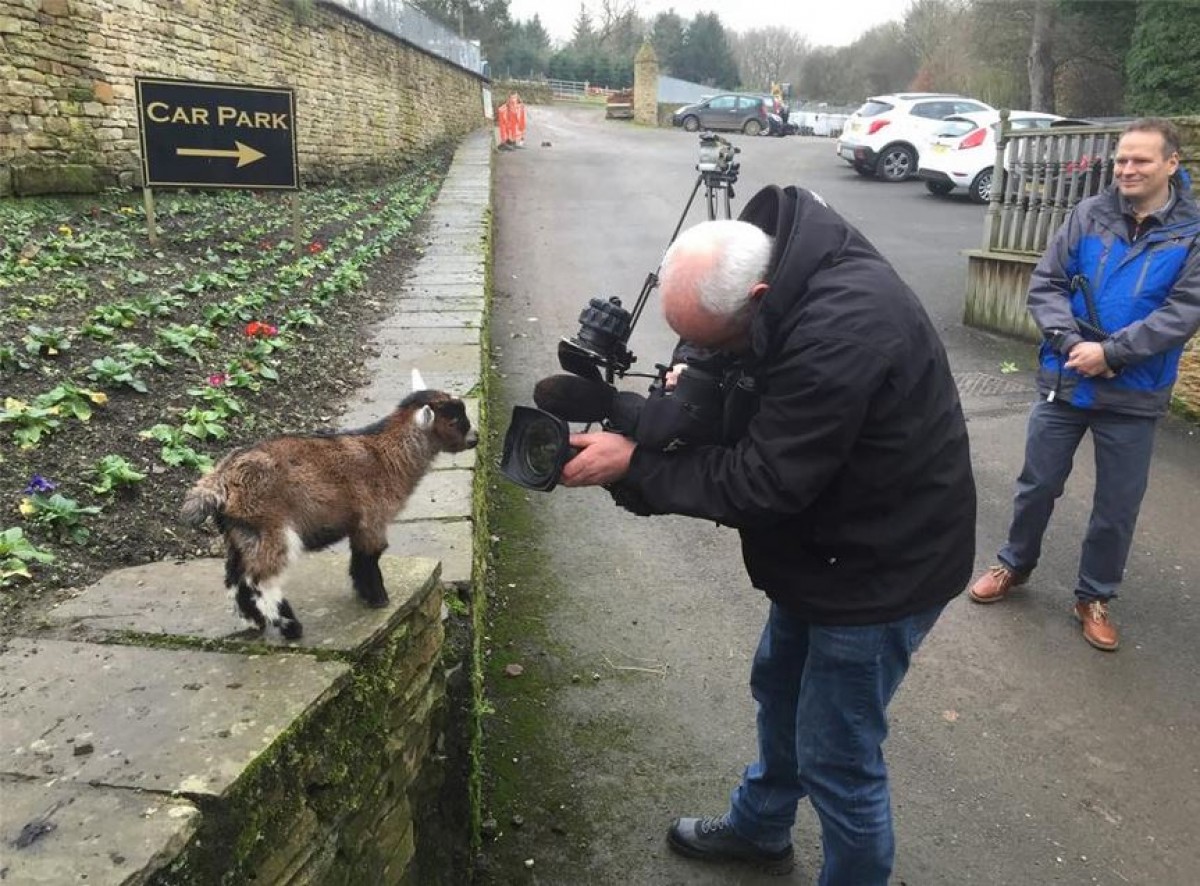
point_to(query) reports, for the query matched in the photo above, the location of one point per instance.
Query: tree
(528, 50)
(583, 37)
(667, 34)
(487, 21)
(706, 56)
(883, 61)
(1163, 66)
(937, 34)
(769, 55)
(1041, 57)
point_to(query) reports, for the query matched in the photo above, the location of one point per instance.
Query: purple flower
(39, 484)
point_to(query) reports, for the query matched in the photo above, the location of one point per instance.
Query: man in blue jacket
(852, 490)
(1117, 296)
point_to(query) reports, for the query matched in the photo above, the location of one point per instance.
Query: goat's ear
(418, 383)
(424, 418)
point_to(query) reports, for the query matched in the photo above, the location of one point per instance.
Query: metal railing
(1039, 175)
(409, 23)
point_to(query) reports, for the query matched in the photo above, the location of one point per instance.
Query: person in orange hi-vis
(517, 118)
(503, 125)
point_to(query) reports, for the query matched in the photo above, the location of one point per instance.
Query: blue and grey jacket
(1141, 298)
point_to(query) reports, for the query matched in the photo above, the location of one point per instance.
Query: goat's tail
(205, 499)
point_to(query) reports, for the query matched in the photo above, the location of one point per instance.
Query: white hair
(719, 261)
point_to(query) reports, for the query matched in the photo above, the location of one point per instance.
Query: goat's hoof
(291, 629)
(377, 602)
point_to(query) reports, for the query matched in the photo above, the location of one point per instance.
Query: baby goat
(305, 492)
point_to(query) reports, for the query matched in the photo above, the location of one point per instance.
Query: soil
(199, 234)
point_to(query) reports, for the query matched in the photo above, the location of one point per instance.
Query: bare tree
(937, 32)
(770, 55)
(1041, 57)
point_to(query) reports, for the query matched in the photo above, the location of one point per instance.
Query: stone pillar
(645, 86)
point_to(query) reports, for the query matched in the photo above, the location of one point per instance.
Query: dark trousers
(1123, 447)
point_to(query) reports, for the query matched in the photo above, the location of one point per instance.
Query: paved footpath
(110, 731)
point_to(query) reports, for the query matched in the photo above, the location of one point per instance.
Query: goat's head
(443, 417)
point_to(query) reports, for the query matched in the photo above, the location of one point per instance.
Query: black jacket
(852, 486)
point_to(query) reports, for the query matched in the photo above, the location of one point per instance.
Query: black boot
(713, 839)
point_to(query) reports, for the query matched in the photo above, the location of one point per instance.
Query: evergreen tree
(707, 56)
(667, 36)
(584, 35)
(1163, 65)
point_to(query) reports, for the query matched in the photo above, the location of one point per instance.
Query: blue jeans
(1123, 445)
(822, 694)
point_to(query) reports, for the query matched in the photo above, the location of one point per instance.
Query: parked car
(883, 138)
(962, 151)
(730, 111)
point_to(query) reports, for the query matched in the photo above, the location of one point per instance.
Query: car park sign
(215, 135)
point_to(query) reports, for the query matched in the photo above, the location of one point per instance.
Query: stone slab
(436, 276)
(430, 358)
(465, 335)
(450, 261)
(61, 833)
(151, 719)
(188, 599)
(423, 320)
(424, 303)
(440, 495)
(451, 541)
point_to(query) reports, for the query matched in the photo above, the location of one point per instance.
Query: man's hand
(603, 458)
(1087, 358)
(672, 377)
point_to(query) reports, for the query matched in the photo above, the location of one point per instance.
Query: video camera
(710, 401)
(717, 155)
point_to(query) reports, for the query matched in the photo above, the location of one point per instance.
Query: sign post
(215, 135)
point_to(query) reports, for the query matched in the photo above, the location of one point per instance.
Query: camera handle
(718, 190)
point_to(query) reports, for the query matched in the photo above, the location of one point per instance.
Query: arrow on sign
(244, 153)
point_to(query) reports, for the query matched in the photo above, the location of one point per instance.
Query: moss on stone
(314, 778)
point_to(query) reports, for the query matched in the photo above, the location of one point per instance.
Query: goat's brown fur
(314, 490)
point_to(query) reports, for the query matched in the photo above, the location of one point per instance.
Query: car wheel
(691, 124)
(939, 188)
(752, 127)
(981, 189)
(896, 164)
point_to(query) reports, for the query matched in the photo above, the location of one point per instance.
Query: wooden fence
(1040, 175)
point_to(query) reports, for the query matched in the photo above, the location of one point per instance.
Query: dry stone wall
(365, 100)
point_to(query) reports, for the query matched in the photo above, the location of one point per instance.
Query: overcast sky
(831, 23)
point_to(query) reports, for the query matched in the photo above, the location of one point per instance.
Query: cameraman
(852, 490)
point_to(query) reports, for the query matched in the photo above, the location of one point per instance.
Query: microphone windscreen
(575, 399)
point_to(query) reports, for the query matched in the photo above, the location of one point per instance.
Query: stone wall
(365, 100)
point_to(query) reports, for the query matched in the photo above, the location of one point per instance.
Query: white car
(962, 152)
(884, 137)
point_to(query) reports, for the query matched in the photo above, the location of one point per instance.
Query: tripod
(718, 184)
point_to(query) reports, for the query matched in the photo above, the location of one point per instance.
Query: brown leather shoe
(1097, 629)
(994, 585)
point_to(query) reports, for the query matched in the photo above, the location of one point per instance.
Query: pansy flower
(39, 485)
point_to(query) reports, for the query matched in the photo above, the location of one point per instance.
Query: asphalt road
(1019, 755)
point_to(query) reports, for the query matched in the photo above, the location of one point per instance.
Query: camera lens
(536, 447)
(540, 446)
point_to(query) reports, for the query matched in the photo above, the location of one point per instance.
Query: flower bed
(125, 371)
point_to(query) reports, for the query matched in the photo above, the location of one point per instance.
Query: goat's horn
(418, 383)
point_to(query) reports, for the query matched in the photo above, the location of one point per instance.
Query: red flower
(217, 379)
(265, 245)
(262, 330)
(314, 247)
